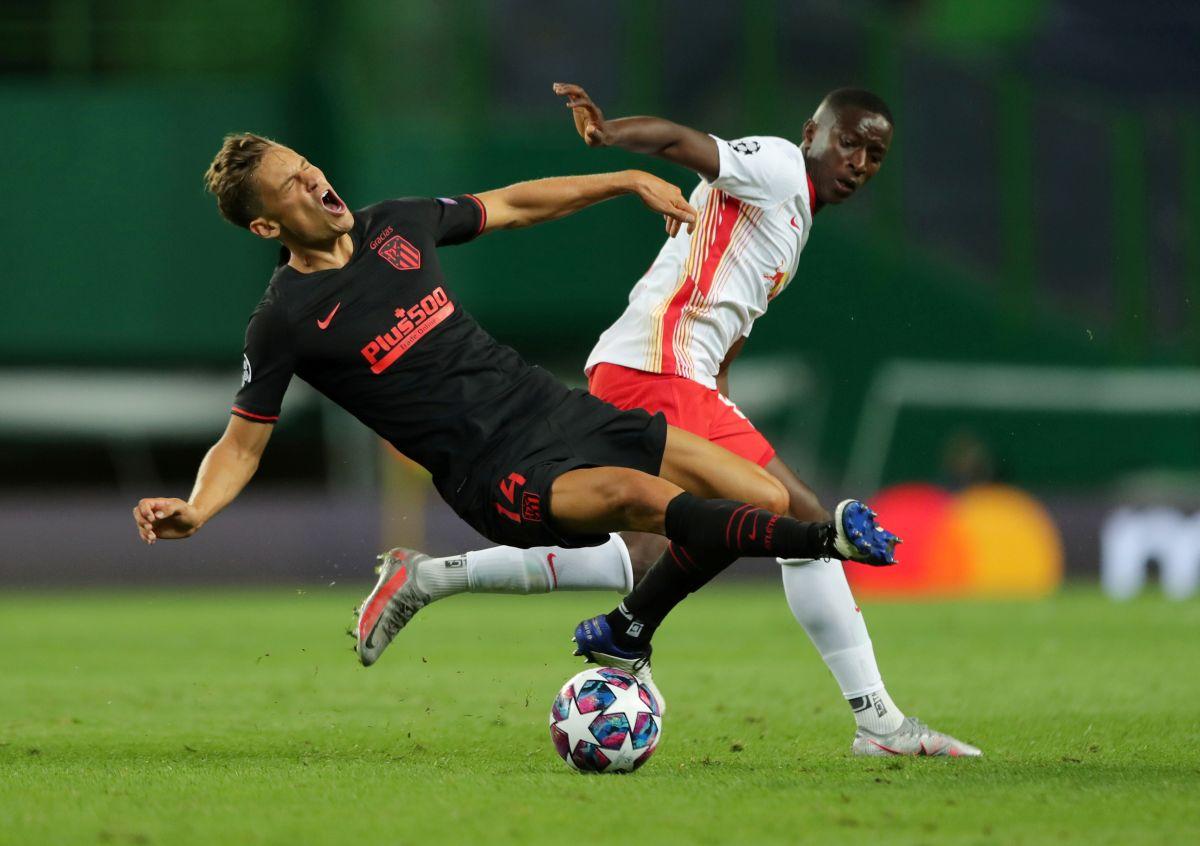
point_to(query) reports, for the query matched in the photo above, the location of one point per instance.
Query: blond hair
(230, 177)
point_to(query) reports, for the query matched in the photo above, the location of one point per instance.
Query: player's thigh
(707, 470)
(610, 499)
(732, 430)
(802, 502)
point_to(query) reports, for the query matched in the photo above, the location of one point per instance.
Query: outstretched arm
(225, 470)
(653, 136)
(540, 200)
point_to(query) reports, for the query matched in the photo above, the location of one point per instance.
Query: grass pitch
(242, 717)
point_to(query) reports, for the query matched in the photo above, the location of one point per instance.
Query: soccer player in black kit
(358, 307)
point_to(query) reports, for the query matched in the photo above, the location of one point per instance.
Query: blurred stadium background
(1016, 292)
(997, 342)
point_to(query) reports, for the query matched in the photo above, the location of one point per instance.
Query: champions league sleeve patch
(245, 369)
(746, 148)
(447, 201)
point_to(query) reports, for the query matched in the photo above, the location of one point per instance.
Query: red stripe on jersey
(728, 209)
(670, 321)
(812, 195)
(250, 415)
(482, 212)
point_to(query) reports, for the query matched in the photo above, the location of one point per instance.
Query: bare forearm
(223, 473)
(644, 134)
(655, 136)
(541, 200)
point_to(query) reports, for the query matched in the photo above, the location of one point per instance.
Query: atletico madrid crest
(400, 254)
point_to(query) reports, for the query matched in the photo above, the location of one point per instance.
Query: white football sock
(821, 602)
(507, 569)
(876, 712)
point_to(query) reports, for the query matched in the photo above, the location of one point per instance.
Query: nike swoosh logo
(324, 324)
(553, 572)
(793, 222)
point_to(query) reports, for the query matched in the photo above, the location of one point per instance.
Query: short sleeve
(268, 362)
(458, 219)
(761, 170)
(450, 220)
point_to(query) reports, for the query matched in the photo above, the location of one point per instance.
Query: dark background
(1039, 211)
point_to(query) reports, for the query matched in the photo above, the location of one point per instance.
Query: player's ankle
(828, 538)
(628, 632)
(876, 712)
(442, 577)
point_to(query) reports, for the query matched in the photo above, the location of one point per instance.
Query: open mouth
(845, 185)
(332, 202)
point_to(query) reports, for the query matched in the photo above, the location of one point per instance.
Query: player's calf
(606, 499)
(741, 529)
(700, 467)
(709, 535)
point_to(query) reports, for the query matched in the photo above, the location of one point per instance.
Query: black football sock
(675, 574)
(741, 529)
(707, 535)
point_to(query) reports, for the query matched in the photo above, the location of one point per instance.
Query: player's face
(844, 150)
(297, 199)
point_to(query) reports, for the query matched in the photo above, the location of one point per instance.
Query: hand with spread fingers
(589, 120)
(651, 136)
(666, 199)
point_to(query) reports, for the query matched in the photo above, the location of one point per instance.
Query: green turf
(241, 717)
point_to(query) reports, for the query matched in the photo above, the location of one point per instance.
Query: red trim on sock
(742, 524)
(729, 525)
(675, 558)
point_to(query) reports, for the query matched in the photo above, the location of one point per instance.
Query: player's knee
(771, 494)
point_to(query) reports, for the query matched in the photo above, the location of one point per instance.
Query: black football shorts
(506, 497)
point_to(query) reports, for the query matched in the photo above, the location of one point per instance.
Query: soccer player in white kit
(687, 319)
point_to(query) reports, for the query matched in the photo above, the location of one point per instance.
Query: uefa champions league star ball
(603, 721)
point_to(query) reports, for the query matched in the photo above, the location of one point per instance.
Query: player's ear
(263, 228)
(808, 133)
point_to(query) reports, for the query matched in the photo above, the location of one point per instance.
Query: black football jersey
(385, 338)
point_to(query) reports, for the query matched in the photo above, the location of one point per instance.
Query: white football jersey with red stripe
(705, 290)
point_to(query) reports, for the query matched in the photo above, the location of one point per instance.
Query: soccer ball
(603, 721)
